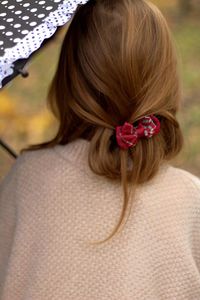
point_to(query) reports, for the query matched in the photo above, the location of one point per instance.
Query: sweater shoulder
(184, 183)
(186, 177)
(35, 163)
(30, 158)
(36, 156)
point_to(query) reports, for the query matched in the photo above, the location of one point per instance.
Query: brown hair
(117, 63)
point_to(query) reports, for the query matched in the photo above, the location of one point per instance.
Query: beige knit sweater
(51, 205)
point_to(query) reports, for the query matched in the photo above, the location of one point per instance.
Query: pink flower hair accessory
(127, 135)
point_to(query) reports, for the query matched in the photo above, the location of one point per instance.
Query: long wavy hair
(118, 62)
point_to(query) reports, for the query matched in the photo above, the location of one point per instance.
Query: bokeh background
(25, 118)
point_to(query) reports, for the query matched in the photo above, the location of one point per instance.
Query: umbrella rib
(5, 146)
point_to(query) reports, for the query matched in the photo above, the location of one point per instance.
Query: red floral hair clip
(127, 135)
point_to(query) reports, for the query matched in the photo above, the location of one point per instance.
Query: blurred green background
(25, 118)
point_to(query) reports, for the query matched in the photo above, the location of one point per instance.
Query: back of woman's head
(118, 63)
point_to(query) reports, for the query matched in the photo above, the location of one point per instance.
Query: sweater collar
(77, 152)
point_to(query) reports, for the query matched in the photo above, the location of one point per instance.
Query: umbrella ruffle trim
(33, 40)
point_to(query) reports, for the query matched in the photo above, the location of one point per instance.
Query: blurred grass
(188, 41)
(25, 119)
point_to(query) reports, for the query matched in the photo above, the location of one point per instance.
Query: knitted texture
(52, 206)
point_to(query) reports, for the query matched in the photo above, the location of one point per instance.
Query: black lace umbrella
(25, 27)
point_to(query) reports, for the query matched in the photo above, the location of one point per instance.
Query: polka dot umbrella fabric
(24, 25)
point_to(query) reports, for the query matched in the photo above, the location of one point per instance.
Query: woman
(116, 93)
